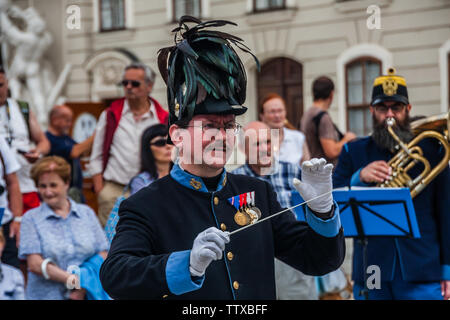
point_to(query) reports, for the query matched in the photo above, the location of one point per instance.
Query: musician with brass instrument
(394, 155)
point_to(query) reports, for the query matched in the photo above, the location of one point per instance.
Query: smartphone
(22, 151)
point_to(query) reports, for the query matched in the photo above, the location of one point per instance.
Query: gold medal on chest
(242, 218)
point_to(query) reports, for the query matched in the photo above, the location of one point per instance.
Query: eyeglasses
(275, 111)
(134, 83)
(382, 108)
(159, 143)
(210, 128)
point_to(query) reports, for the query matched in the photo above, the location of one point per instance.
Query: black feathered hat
(202, 71)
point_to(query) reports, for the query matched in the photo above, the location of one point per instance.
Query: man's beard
(383, 138)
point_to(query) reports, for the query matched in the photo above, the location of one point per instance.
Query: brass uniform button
(223, 227)
(230, 256)
(236, 285)
(216, 201)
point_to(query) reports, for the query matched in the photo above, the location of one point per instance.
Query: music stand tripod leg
(362, 239)
(365, 291)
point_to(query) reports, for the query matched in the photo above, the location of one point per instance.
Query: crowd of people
(170, 215)
(48, 233)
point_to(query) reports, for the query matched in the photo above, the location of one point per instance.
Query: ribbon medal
(247, 213)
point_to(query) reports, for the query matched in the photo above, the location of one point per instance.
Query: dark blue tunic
(424, 259)
(149, 256)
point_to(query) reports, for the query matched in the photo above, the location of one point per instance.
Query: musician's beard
(382, 137)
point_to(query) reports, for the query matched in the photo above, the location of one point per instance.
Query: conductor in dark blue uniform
(173, 238)
(410, 268)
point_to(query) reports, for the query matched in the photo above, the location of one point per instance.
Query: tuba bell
(409, 155)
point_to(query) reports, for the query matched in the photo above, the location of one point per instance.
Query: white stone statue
(28, 65)
(4, 6)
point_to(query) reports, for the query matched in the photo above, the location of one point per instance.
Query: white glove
(316, 180)
(208, 246)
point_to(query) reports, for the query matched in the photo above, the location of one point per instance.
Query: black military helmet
(202, 71)
(389, 88)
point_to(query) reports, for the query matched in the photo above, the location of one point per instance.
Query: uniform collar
(194, 182)
(48, 212)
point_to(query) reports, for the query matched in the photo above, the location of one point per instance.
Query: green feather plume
(202, 62)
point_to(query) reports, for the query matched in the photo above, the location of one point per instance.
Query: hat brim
(395, 97)
(215, 106)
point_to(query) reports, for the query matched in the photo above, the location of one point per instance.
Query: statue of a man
(30, 46)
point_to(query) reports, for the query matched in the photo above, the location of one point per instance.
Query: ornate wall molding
(106, 70)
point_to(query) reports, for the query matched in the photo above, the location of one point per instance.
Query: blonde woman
(57, 236)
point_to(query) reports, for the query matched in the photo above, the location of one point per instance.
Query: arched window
(285, 77)
(186, 7)
(359, 76)
(267, 5)
(112, 15)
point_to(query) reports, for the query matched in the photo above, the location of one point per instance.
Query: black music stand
(372, 212)
(376, 212)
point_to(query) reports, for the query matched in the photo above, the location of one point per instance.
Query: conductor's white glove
(316, 180)
(208, 246)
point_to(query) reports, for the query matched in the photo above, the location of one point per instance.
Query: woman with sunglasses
(156, 157)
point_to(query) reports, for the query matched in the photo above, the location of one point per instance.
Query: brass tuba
(409, 155)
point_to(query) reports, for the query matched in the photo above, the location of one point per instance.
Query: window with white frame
(267, 5)
(186, 7)
(360, 74)
(112, 15)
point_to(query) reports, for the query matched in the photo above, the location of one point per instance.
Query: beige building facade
(349, 41)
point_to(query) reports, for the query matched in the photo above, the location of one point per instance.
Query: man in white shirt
(11, 202)
(21, 130)
(115, 157)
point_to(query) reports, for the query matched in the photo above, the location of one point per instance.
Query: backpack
(316, 121)
(24, 108)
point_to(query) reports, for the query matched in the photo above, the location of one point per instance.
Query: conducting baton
(276, 214)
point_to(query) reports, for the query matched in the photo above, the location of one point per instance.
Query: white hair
(150, 75)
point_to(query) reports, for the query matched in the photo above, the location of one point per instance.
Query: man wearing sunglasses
(410, 268)
(173, 238)
(115, 155)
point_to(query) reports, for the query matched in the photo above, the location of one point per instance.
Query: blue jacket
(423, 259)
(149, 256)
